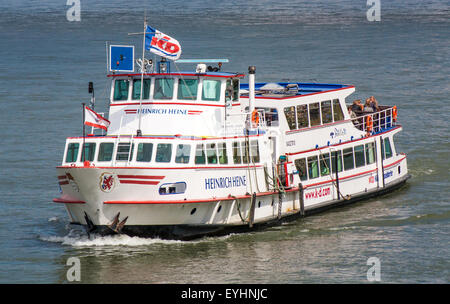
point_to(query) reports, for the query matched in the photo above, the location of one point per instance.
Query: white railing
(378, 121)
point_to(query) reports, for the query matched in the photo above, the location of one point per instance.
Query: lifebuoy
(394, 113)
(369, 123)
(255, 118)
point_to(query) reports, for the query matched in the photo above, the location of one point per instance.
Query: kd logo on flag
(162, 44)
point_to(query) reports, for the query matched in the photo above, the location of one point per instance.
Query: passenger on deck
(374, 104)
(368, 106)
(357, 107)
(351, 113)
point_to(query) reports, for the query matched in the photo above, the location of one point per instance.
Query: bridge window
(144, 152)
(211, 153)
(163, 153)
(348, 159)
(200, 158)
(236, 153)
(105, 152)
(163, 88)
(123, 151)
(325, 164)
(327, 116)
(313, 167)
(211, 90)
(302, 116)
(339, 161)
(72, 152)
(289, 112)
(314, 114)
(89, 152)
(337, 110)
(387, 148)
(187, 88)
(254, 151)
(121, 89)
(183, 153)
(137, 89)
(370, 153)
(359, 156)
(300, 164)
(223, 158)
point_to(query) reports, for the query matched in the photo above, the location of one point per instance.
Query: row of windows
(163, 89)
(212, 153)
(347, 159)
(313, 114)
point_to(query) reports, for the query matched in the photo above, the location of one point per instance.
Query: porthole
(220, 208)
(398, 169)
(259, 204)
(193, 211)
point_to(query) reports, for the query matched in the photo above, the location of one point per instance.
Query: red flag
(94, 119)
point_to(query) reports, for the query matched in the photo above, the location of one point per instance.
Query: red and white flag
(94, 119)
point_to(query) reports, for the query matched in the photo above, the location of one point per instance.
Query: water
(47, 62)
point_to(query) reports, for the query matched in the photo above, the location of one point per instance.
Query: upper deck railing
(376, 122)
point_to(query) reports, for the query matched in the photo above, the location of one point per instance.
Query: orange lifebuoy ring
(255, 118)
(394, 113)
(369, 123)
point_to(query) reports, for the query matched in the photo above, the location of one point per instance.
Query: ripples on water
(404, 60)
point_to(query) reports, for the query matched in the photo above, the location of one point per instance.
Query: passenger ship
(203, 154)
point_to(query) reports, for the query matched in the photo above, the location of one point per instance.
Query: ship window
(163, 88)
(89, 152)
(163, 153)
(235, 89)
(245, 152)
(302, 116)
(338, 115)
(200, 158)
(182, 155)
(223, 158)
(313, 167)
(314, 114)
(72, 152)
(123, 151)
(289, 112)
(339, 161)
(105, 152)
(144, 152)
(236, 153)
(327, 116)
(211, 90)
(254, 151)
(270, 116)
(232, 90)
(348, 159)
(300, 164)
(187, 88)
(211, 153)
(137, 88)
(359, 156)
(370, 153)
(121, 89)
(387, 148)
(325, 164)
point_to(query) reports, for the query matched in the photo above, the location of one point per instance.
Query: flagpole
(139, 131)
(84, 131)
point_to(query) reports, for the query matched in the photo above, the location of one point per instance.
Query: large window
(72, 152)
(327, 116)
(337, 110)
(254, 151)
(289, 112)
(200, 158)
(211, 153)
(144, 152)
(163, 88)
(339, 161)
(123, 151)
(223, 158)
(359, 156)
(387, 148)
(245, 152)
(211, 90)
(302, 116)
(137, 89)
(237, 153)
(105, 152)
(163, 153)
(348, 159)
(89, 152)
(300, 164)
(187, 88)
(182, 155)
(314, 114)
(370, 153)
(313, 167)
(325, 165)
(121, 89)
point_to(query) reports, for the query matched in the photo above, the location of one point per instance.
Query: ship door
(282, 171)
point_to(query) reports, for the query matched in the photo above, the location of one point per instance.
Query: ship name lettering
(225, 182)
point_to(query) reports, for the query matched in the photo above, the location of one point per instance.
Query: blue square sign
(121, 58)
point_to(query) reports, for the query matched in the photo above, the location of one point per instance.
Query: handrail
(377, 121)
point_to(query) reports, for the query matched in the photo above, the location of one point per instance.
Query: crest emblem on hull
(107, 182)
